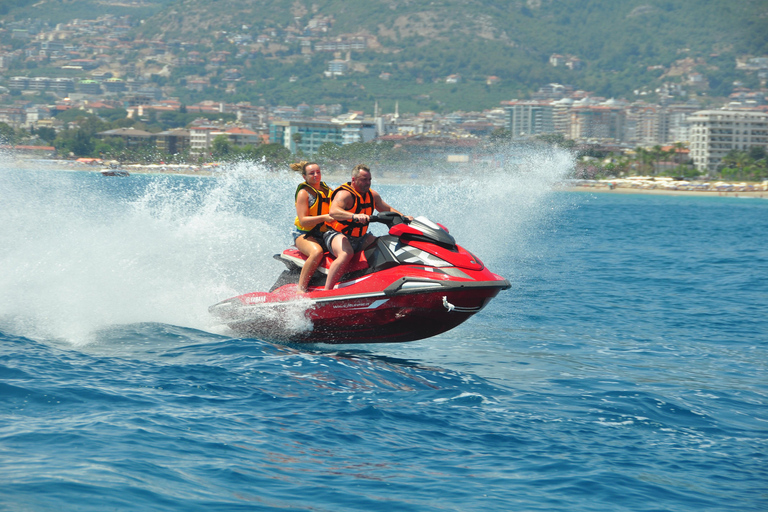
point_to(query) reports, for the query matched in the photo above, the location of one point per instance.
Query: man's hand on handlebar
(390, 218)
(361, 218)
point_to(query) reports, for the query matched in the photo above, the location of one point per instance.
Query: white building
(528, 118)
(714, 133)
(200, 138)
(337, 67)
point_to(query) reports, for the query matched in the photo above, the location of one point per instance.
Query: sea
(626, 369)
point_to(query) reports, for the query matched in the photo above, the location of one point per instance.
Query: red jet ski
(413, 283)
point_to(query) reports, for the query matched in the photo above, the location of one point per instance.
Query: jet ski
(412, 283)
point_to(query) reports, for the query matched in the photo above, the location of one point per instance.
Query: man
(351, 207)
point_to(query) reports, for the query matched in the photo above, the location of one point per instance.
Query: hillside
(612, 48)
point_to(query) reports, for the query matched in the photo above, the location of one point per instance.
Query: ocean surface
(625, 370)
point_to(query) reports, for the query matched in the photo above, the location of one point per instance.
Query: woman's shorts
(317, 239)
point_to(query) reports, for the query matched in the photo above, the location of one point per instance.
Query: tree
(276, 155)
(222, 148)
(7, 134)
(557, 139)
(329, 152)
(644, 160)
(500, 135)
(45, 133)
(757, 153)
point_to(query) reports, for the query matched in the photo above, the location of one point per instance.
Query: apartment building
(714, 133)
(674, 125)
(132, 136)
(308, 135)
(603, 123)
(528, 118)
(642, 126)
(200, 139)
(173, 142)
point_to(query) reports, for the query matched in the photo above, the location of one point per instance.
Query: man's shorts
(355, 242)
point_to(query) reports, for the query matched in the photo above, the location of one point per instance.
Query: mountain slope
(502, 38)
(613, 47)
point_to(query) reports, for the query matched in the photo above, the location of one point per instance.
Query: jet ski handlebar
(388, 218)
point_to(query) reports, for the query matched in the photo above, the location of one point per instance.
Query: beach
(668, 187)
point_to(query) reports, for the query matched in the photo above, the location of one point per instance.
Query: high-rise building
(603, 123)
(527, 118)
(714, 133)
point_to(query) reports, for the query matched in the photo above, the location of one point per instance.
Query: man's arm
(340, 205)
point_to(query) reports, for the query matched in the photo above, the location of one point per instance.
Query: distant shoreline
(759, 194)
(624, 186)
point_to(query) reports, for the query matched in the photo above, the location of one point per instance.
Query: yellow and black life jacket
(362, 205)
(321, 205)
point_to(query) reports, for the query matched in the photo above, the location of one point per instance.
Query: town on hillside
(675, 134)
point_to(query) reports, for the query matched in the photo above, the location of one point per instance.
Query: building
(357, 130)
(642, 125)
(89, 87)
(19, 83)
(337, 67)
(131, 136)
(715, 133)
(556, 60)
(114, 85)
(39, 83)
(528, 118)
(173, 142)
(600, 123)
(12, 116)
(561, 115)
(34, 114)
(200, 139)
(240, 137)
(308, 135)
(63, 84)
(674, 125)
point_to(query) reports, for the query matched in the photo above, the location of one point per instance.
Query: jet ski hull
(409, 310)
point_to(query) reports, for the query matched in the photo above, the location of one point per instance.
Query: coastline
(761, 194)
(634, 185)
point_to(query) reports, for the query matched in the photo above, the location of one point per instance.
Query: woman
(313, 200)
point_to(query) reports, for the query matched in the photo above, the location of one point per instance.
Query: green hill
(615, 48)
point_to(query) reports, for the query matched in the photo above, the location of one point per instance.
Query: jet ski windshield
(431, 232)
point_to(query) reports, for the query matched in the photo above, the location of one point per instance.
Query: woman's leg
(314, 253)
(343, 250)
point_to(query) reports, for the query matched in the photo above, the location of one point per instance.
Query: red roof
(240, 131)
(36, 148)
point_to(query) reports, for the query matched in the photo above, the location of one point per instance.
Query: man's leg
(341, 247)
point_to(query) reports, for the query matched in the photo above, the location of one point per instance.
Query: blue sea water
(625, 370)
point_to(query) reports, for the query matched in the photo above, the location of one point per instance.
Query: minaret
(378, 121)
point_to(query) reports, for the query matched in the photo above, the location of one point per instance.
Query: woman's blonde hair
(302, 166)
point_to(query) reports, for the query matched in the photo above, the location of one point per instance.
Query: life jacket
(362, 205)
(321, 206)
